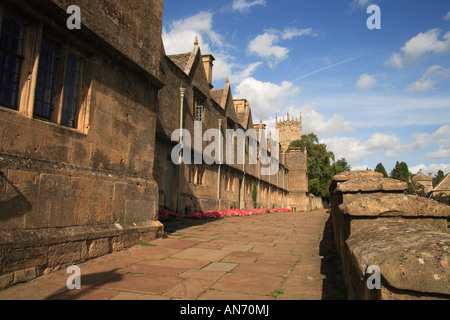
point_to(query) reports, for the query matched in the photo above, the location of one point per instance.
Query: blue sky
(372, 96)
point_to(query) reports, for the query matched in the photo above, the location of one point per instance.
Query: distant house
(442, 188)
(425, 181)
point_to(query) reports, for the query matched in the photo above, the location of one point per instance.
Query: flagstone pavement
(285, 256)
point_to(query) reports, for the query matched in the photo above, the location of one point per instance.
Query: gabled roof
(444, 185)
(185, 61)
(216, 95)
(421, 177)
(221, 95)
(181, 60)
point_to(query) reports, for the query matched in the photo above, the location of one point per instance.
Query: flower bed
(166, 215)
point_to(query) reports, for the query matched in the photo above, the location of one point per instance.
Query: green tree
(340, 166)
(400, 172)
(396, 172)
(255, 193)
(320, 169)
(405, 171)
(380, 168)
(438, 178)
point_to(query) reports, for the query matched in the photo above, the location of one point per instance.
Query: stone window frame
(34, 31)
(18, 55)
(199, 105)
(197, 174)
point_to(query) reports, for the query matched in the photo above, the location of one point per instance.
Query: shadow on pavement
(333, 287)
(88, 281)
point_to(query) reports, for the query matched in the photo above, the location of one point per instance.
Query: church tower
(289, 130)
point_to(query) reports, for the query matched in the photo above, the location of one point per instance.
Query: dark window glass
(11, 43)
(43, 106)
(70, 102)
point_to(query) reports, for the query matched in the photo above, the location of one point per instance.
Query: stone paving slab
(287, 256)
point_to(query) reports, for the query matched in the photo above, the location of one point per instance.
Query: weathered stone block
(411, 257)
(6, 280)
(54, 185)
(65, 253)
(16, 259)
(98, 248)
(25, 275)
(371, 185)
(62, 212)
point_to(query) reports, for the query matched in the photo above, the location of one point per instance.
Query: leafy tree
(415, 188)
(255, 193)
(400, 172)
(320, 169)
(340, 166)
(396, 172)
(438, 178)
(380, 168)
(405, 171)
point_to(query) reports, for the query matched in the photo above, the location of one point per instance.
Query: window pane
(11, 40)
(70, 102)
(44, 88)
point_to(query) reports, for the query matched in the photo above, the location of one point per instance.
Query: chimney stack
(208, 65)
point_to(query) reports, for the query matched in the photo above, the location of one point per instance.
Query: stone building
(425, 181)
(86, 123)
(442, 190)
(217, 186)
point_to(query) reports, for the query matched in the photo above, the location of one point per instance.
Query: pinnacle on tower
(196, 41)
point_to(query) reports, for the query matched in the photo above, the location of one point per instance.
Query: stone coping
(371, 185)
(410, 257)
(16, 239)
(394, 205)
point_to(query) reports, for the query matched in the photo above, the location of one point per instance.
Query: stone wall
(72, 194)
(376, 224)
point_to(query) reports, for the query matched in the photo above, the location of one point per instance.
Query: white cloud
(290, 33)
(422, 85)
(266, 45)
(366, 82)
(432, 168)
(418, 46)
(265, 97)
(440, 137)
(363, 167)
(179, 38)
(361, 4)
(225, 65)
(244, 6)
(447, 16)
(354, 150)
(315, 122)
(429, 79)
(181, 34)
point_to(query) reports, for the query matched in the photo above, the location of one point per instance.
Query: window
(199, 113)
(11, 43)
(56, 90)
(200, 174)
(70, 102)
(47, 86)
(43, 103)
(196, 174)
(199, 110)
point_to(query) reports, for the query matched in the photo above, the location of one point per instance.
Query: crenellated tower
(289, 130)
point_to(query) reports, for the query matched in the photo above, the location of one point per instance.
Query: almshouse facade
(86, 118)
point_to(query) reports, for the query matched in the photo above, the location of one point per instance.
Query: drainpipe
(182, 92)
(220, 165)
(243, 177)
